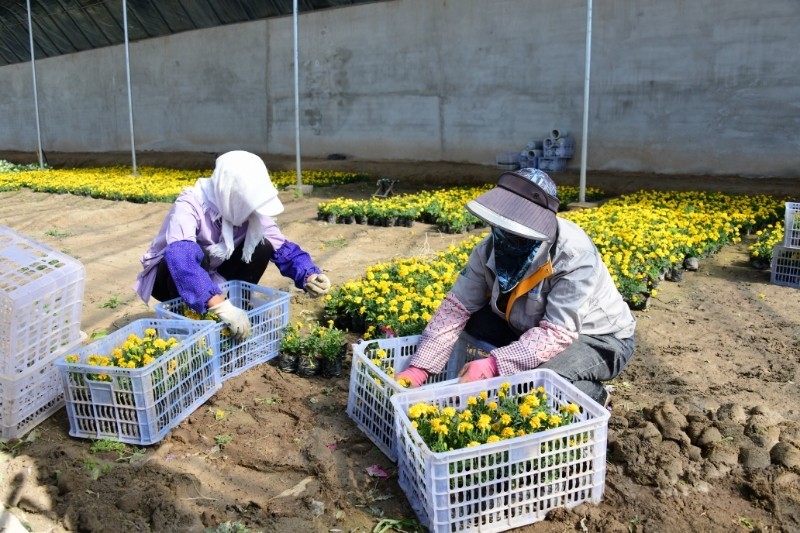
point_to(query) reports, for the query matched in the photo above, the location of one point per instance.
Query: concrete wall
(689, 86)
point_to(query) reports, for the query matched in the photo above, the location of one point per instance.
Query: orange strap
(527, 284)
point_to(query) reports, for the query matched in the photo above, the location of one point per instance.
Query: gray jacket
(579, 295)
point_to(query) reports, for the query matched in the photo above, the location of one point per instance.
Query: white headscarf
(237, 192)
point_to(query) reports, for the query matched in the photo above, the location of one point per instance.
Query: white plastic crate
(29, 398)
(510, 483)
(791, 232)
(41, 298)
(785, 267)
(141, 405)
(268, 310)
(371, 388)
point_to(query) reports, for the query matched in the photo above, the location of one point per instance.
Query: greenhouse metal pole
(35, 92)
(297, 103)
(587, 72)
(128, 78)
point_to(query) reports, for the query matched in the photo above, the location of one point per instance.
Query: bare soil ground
(704, 434)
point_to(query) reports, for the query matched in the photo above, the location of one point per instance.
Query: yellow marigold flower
(466, 415)
(492, 438)
(542, 415)
(414, 424)
(71, 358)
(554, 420)
(449, 412)
(507, 433)
(525, 410)
(465, 427)
(505, 419)
(171, 366)
(404, 382)
(417, 410)
(520, 433)
(483, 395)
(483, 422)
(535, 423)
(505, 386)
(150, 332)
(570, 408)
(492, 405)
(473, 443)
(472, 400)
(532, 400)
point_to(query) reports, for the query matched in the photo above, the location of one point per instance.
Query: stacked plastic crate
(550, 154)
(41, 298)
(557, 149)
(785, 266)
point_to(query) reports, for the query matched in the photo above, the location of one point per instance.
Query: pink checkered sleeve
(533, 348)
(440, 335)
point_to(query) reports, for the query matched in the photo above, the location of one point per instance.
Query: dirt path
(705, 432)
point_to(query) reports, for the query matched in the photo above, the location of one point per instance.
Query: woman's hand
(478, 369)
(317, 285)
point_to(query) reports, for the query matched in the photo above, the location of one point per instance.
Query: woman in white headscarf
(221, 229)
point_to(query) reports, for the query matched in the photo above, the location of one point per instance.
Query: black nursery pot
(308, 367)
(288, 362)
(332, 368)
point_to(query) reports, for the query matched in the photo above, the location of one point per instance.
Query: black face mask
(505, 241)
(512, 256)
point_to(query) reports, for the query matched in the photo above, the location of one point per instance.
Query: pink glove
(415, 375)
(479, 369)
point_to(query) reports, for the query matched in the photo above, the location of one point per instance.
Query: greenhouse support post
(297, 103)
(35, 92)
(587, 72)
(128, 77)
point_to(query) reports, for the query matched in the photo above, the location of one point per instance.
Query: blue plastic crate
(141, 405)
(268, 310)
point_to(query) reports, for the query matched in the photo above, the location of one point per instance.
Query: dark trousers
(588, 361)
(231, 269)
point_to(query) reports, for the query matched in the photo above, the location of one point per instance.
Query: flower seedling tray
(141, 405)
(506, 484)
(268, 311)
(371, 387)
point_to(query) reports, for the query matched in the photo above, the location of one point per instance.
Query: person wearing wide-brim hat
(537, 289)
(222, 229)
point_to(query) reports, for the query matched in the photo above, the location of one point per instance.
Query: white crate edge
(49, 404)
(390, 388)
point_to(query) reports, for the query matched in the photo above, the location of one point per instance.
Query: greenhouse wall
(697, 87)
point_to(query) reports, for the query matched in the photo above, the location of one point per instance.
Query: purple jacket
(189, 221)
